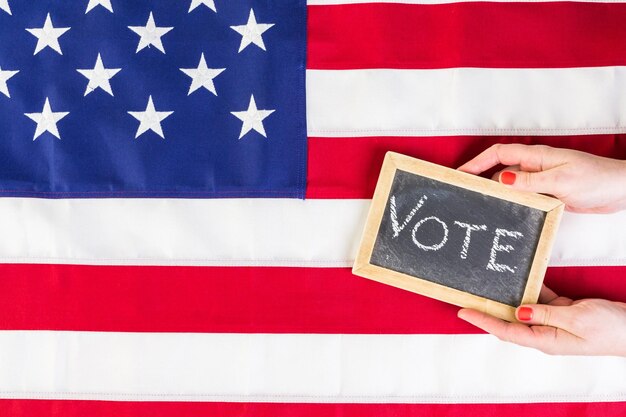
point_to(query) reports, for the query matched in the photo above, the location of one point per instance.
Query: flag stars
(150, 34)
(251, 32)
(104, 3)
(99, 77)
(208, 3)
(252, 118)
(202, 76)
(4, 77)
(46, 120)
(150, 119)
(48, 36)
(4, 5)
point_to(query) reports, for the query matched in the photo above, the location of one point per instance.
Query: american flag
(126, 289)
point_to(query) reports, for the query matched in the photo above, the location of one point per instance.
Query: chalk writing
(456, 237)
(468, 233)
(431, 247)
(394, 216)
(497, 247)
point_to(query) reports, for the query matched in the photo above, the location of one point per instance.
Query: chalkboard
(457, 237)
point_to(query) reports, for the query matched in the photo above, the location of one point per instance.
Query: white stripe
(280, 232)
(297, 368)
(581, 234)
(180, 231)
(332, 2)
(466, 101)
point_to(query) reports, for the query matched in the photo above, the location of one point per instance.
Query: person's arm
(585, 183)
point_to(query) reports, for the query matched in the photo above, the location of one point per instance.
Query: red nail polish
(507, 177)
(525, 313)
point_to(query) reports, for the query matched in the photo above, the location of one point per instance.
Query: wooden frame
(394, 161)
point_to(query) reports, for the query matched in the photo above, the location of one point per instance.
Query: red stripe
(471, 34)
(67, 408)
(349, 167)
(241, 300)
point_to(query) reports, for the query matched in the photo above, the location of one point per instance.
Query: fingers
(546, 315)
(545, 338)
(484, 321)
(496, 175)
(529, 167)
(503, 330)
(546, 296)
(529, 157)
(538, 182)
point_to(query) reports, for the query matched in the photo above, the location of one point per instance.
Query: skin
(586, 184)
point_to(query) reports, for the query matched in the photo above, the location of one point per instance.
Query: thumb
(545, 315)
(538, 182)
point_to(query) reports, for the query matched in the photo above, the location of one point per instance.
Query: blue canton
(161, 98)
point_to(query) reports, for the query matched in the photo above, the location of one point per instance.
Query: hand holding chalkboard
(560, 325)
(457, 237)
(586, 183)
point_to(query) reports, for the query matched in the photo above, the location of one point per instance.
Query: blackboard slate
(445, 266)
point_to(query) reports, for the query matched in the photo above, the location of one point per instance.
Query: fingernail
(525, 313)
(507, 177)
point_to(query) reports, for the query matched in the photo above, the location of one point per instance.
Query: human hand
(585, 183)
(560, 326)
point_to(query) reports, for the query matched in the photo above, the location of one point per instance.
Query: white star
(252, 118)
(150, 34)
(4, 77)
(208, 3)
(47, 120)
(99, 76)
(104, 3)
(251, 32)
(202, 76)
(48, 35)
(150, 119)
(4, 5)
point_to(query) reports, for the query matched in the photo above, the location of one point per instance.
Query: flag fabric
(165, 305)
